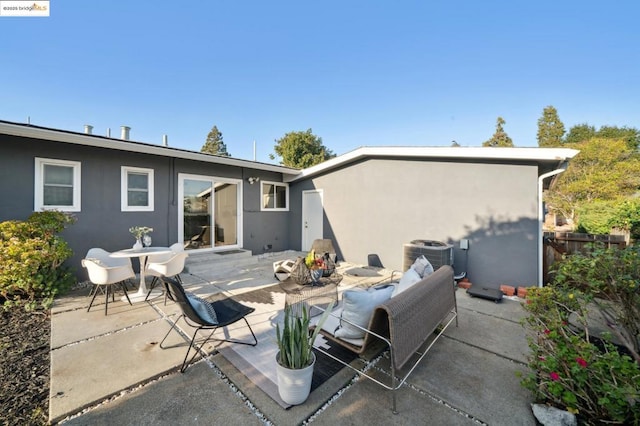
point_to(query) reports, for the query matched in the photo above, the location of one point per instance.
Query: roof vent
(88, 129)
(165, 140)
(124, 132)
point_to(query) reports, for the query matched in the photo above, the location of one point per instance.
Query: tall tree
(301, 149)
(214, 143)
(580, 133)
(629, 134)
(500, 137)
(583, 132)
(550, 129)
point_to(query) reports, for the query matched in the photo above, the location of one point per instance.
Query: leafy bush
(595, 217)
(627, 217)
(603, 216)
(610, 280)
(31, 255)
(599, 384)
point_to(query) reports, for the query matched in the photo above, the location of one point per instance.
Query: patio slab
(488, 325)
(197, 398)
(113, 366)
(86, 373)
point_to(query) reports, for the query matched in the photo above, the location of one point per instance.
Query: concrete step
(208, 263)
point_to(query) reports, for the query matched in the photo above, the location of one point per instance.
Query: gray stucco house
(371, 200)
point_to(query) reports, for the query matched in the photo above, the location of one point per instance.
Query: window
(136, 189)
(57, 185)
(275, 196)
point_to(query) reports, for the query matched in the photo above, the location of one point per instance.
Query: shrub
(31, 255)
(609, 279)
(599, 384)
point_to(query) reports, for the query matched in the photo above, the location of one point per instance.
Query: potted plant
(295, 358)
(139, 232)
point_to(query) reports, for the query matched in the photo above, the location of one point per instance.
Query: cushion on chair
(358, 306)
(408, 279)
(422, 266)
(203, 308)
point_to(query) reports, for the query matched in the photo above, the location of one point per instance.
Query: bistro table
(142, 254)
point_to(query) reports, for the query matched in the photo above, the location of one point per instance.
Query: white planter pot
(294, 386)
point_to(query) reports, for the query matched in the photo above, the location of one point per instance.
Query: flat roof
(86, 139)
(546, 158)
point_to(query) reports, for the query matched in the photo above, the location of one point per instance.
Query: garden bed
(24, 366)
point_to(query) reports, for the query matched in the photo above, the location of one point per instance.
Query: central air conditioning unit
(436, 252)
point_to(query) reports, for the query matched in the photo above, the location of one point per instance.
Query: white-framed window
(136, 189)
(57, 185)
(274, 196)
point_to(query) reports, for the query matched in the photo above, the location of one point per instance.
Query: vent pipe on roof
(88, 129)
(124, 132)
(165, 140)
(108, 132)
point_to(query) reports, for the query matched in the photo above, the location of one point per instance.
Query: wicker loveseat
(405, 323)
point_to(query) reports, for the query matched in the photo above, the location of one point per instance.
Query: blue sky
(359, 73)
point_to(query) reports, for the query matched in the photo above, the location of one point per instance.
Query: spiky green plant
(295, 343)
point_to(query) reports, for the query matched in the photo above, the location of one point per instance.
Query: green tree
(500, 137)
(605, 169)
(629, 134)
(580, 133)
(301, 150)
(214, 143)
(583, 132)
(550, 129)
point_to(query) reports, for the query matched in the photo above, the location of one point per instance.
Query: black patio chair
(227, 311)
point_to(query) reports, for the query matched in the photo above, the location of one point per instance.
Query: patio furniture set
(405, 316)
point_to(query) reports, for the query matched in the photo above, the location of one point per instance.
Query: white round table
(142, 254)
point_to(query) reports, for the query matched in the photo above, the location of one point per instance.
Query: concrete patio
(110, 369)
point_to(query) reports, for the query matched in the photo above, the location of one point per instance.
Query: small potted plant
(295, 358)
(139, 232)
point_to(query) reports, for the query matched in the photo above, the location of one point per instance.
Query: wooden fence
(557, 244)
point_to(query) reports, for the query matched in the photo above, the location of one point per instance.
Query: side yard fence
(556, 244)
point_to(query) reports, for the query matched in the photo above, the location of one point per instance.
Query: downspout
(541, 179)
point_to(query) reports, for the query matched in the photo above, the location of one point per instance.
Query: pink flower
(547, 331)
(554, 376)
(581, 362)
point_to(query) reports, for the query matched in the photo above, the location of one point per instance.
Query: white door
(312, 215)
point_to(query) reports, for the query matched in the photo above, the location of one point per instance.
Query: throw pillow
(203, 308)
(422, 266)
(408, 279)
(358, 306)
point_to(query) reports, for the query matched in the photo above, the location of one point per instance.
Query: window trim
(262, 194)
(38, 201)
(124, 189)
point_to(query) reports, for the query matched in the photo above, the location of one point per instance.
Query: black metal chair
(227, 311)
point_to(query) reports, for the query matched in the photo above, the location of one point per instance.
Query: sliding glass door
(209, 211)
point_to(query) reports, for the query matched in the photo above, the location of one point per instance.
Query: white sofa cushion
(409, 278)
(422, 266)
(358, 305)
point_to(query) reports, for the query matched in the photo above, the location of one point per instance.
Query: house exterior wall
(377, 205)
(101, 223)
